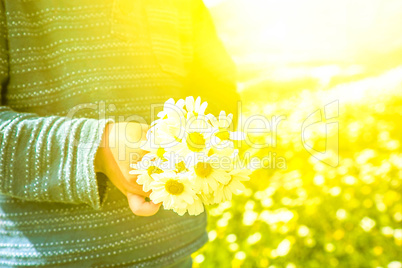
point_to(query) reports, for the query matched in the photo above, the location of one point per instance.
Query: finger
(125, 184)
(130, 184)
(125, 187)
(140, 207)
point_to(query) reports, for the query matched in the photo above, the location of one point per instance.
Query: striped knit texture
(67, 67)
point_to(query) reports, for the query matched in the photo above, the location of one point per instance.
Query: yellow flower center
(181, 167)
(195, 141)
(223, 134)
(160, 152)
(152, 170)
(203, 169)
(174, 187)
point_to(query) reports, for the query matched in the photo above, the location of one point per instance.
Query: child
(67, 70)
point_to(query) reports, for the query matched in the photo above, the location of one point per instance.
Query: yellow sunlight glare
(320, 40)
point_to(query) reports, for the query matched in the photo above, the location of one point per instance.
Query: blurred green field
(311, 214)
(294, 58)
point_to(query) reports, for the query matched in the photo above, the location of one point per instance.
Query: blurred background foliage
(295, 57)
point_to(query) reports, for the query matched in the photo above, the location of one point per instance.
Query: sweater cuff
(91, 186)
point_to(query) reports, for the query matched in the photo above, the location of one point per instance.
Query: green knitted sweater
(67, 67)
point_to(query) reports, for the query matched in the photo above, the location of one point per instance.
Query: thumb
(140, 207)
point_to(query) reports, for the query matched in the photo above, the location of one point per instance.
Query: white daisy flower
(233, 186)
(195, 139)
(173, 190)
(207, 199)
(161, 136)
(222, 121)
(144, 171)
(221, 125)
(170, 125)
(171, 109)
(194, 209)
(195, 107)
(197, 142)
(154, 148)
(207, 176)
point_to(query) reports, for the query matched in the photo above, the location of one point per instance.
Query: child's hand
(120, 148)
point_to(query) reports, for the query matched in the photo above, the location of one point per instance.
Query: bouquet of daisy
(192, 159)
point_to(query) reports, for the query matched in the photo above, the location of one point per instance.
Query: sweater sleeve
(46, 158)
(213, 72)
